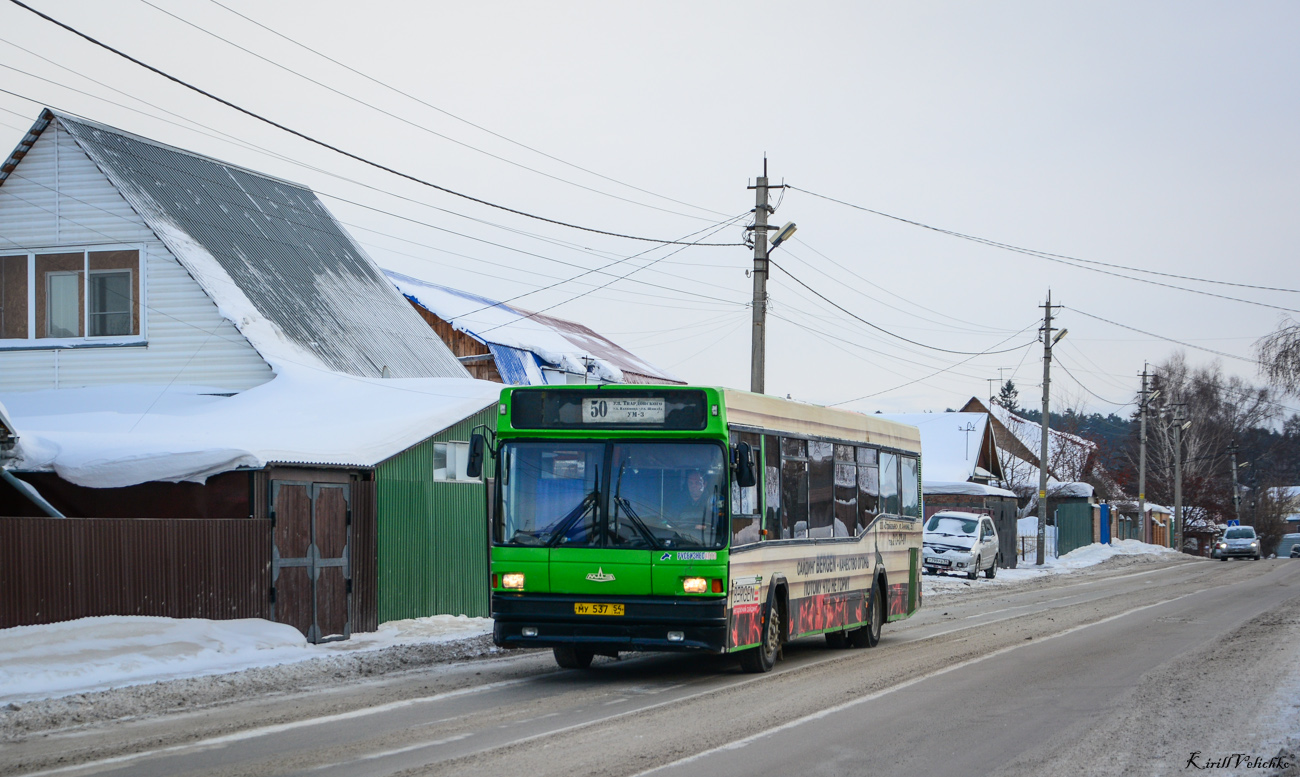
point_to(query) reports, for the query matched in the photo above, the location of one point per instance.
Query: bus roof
(782, 415)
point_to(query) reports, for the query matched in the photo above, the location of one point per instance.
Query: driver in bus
(692, 508)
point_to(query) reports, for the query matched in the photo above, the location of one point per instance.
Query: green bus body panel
(635, 572)
(433, 538)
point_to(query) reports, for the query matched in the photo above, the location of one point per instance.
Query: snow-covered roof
(1068, 454)
(1073, 490)
(120, 435)
(964, 489)
(949, 452)
(555, 341)
(269, 254)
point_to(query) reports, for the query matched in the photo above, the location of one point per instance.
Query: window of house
(86, 294)
(450, 460)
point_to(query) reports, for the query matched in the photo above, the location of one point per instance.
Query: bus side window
(794, 489)
(772, 486)
(821, 489)
(846, 492)
(889, 484)
(868, 487)
(909, 486)
(745, 515)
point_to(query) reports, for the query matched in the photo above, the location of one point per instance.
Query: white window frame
(34, 343)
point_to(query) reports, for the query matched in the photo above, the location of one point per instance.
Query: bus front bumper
(696, 623)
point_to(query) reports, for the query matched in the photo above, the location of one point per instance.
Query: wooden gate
(311, 577)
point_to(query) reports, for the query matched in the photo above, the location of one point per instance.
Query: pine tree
(1008, 396)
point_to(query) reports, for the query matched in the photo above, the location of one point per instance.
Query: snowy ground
(92, 654)
(95, 654)
(1088, 555)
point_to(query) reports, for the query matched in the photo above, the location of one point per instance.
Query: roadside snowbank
(93, 654)
(1080, 558)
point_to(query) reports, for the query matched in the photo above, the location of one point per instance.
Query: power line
(340, 151)
(1084, 264)
(683, 247)
(933, 374)
(1160, 337)
(881, 329)
(451, 115)
(406, 121)
(340, 197)
(1080, 384)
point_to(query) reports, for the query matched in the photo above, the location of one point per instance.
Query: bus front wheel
(763, 658)
(570, 657)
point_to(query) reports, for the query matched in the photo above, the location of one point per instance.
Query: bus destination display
(613, 410)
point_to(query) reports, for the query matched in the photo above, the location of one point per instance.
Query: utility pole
(1142, 455)
(758, 346)
(1048, 342)
(1236, 493)
(1180, 421)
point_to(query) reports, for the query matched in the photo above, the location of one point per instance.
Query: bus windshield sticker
(613, 410)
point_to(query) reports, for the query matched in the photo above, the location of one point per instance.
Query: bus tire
(869, 635)
(762, 658)
(570, 657)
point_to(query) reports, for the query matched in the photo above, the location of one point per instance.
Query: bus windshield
(647, 495)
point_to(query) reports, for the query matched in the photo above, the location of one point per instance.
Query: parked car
(1287, 545)
(1237, 542)
(960, 542)
(1295, 551)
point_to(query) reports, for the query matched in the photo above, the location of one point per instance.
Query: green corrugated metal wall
(1073, 527)
(433, 542)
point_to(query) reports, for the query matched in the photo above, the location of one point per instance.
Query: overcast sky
(1156, 137)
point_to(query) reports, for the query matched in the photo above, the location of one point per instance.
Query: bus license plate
(584, 608)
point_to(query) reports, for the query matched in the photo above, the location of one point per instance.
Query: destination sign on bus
(613, 410)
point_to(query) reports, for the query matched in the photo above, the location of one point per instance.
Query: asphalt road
(1120, 671)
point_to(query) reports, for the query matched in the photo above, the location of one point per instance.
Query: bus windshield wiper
(619, 501)
(590, 501)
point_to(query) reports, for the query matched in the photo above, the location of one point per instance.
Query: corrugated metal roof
(516, 366)
(280, 247)
(555, 341)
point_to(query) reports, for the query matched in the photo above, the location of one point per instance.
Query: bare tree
(1279, 356)
(1221, 408)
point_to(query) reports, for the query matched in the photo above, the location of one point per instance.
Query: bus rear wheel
(869, 635)
(763, 658)
(570, 657)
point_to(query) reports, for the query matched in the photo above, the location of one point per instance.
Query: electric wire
(931, 375)
(881, 329)
(408, 122)
(465, 121)
(1160, 337)
(340, 198)
(342, 152)
(1066, 259)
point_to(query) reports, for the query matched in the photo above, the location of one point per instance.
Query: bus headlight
(695, 585)
(513, 580)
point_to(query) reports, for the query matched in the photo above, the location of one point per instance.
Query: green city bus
(676, 518)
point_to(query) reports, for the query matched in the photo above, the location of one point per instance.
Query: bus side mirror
(745, 477)
(474, 468)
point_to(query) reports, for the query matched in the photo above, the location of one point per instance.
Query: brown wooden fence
(58, 569)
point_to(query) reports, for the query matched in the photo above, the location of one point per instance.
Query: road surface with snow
(1123, 668)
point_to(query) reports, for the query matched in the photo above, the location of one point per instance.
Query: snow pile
(962, 489)
(112, 436)
(1079, 558)
(93, 654)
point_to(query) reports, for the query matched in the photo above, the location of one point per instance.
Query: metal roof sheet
(280, 247)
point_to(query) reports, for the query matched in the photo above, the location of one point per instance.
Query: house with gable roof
(200, 365)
